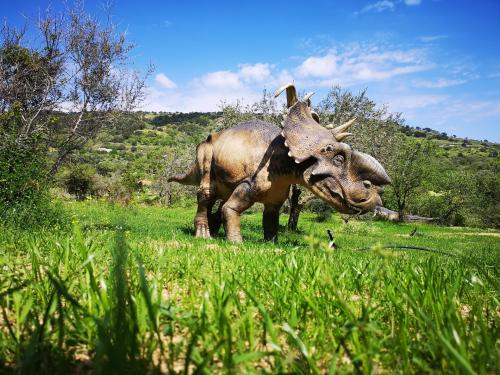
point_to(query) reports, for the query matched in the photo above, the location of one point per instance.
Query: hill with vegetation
(131, 162)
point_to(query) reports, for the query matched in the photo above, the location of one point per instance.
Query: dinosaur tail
(189, 178)
(200, 169)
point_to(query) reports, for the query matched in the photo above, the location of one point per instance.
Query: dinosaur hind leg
(201, 221)
(206, 191)
(215, 219)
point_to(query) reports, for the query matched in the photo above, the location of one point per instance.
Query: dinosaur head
(348, 180)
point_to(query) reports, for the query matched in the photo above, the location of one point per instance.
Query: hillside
(132, 161)
(149, 132)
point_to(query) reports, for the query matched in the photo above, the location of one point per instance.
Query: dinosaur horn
(370, 168)
(342, 128)
(291, 94)
(341, 136)
(308, 96)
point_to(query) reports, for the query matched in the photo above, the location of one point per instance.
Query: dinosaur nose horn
(369, 169)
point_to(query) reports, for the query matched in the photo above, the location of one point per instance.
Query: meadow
(129, 290)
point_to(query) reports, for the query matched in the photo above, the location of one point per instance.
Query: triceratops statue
(256, 161)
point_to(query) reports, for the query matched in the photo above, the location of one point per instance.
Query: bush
(321, 208)
(34, 214)
(24, 184)
(79, 180)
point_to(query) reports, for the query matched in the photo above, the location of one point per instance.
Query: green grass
(129, 290)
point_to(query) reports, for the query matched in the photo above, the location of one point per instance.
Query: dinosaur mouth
(332, 191)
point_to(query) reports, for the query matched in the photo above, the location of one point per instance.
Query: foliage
(131, 291)
(320, 208)
(24, 195)
(488, 197)
(174, 161)
(266, 109)
(408, 168)
(460, 197)
(77, 63)
(79, 180)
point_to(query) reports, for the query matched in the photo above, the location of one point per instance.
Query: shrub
(24, 184)
(320, 208)
(79, 180)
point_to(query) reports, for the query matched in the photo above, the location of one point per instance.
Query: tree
(266, 109)
(408, 169)
(72, 81)
(58, 89)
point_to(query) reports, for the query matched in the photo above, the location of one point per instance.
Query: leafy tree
(24, 197)
(22, 166)
(266, 109)
(178, 161)
(408, 168)
(79, 180)
(78, 64)
(58, 89)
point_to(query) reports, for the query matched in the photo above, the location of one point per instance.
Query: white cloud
(257, 72)
(196, 98)
(369, 74)
(361, 64)
(432, 38)
(378, 6)
(208, 91)
(470, 110)
(438, 83)
(386, 5)
(284, 76)
(405, 103)
(318, 66)
(455, 115)
(223, 79)
(345, 65)
(164, 81)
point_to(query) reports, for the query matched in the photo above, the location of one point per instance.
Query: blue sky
(436, 61)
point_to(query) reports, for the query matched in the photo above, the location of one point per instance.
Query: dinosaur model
(257, 161)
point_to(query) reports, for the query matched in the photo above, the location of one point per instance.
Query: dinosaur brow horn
(308, 96)
(341, 136)
(342, 128)
(291, 94)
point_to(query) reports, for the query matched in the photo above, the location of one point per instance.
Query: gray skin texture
(257, 162)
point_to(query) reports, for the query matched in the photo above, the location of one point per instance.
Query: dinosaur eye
(328, 148)
(338, 160)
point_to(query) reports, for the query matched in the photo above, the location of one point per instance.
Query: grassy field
(129, 290)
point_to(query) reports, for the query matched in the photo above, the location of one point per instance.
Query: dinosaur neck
(283, 166)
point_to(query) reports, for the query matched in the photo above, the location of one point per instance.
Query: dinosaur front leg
(239, 201)
(270, 221)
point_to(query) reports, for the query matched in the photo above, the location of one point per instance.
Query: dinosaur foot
(236, 238)
(202, 231)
